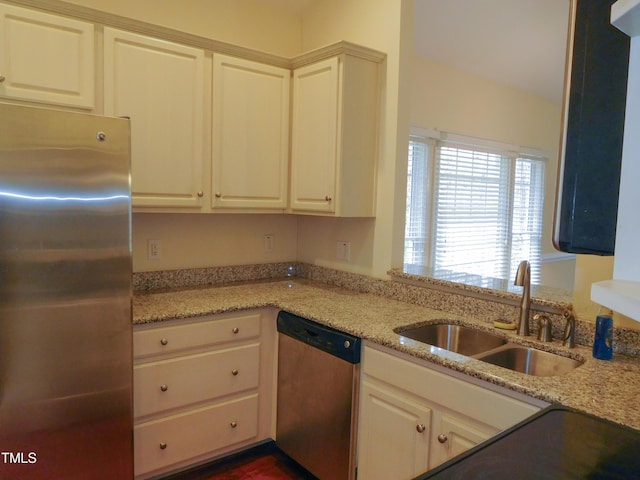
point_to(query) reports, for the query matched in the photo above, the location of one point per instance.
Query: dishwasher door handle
(311, 333)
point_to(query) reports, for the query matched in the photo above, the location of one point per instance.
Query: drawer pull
(164, 388)
(233, 424)
(234, 372)
(235, 330)
(164, 341)
(442, 438)
(420, 428)
(163, 445)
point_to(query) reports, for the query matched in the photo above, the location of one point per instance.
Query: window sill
(553, 299)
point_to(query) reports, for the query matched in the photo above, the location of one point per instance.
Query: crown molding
(98, 17)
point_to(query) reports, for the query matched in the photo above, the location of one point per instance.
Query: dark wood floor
(264, 462)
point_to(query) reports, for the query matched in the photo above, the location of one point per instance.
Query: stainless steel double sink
(490, 348)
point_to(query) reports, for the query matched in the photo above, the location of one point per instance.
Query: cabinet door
(314, 136)
(394, 434)
(160, 86)
(453, 435)
(46, 58)
(250, 134)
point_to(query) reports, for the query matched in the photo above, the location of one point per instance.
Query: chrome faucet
(523, 279)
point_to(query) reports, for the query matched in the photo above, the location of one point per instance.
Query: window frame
(432, 140)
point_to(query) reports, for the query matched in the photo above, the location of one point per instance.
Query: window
(473, 207)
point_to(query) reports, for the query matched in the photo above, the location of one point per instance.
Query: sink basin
(531, 361)
(455, 338)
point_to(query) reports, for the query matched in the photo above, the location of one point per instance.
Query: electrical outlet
(268, 242)
(343, 250)
(153, 249)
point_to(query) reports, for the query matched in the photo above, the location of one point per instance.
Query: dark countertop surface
(557, 443)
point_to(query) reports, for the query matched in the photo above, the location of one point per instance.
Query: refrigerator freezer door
(65, 296)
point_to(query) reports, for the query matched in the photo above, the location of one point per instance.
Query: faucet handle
(544, 327)
(569, 338)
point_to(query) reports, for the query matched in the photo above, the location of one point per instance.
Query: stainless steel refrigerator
(65, 296)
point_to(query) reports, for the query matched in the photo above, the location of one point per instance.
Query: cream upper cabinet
(160, 86)
(314, 130)
(334, 136)
(46, 58)
(427, 415)
(250, 141)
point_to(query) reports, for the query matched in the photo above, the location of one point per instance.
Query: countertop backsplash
(197, 277)
(479, 303)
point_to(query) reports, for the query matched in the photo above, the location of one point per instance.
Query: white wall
(190, 240)
(385, 25)
(249, 23)
(376, 244)
(195, 240)
(458, 102)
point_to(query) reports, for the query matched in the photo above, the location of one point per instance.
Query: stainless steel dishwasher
(318, 370)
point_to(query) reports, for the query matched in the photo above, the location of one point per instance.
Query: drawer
(178, 438)
(153, 340)
(166, 384)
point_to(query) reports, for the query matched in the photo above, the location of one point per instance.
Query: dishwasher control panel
(330, 340)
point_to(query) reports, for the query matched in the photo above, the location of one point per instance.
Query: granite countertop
(607, 389)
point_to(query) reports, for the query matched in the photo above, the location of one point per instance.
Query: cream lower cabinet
(250, 146)
(160, 86)
(414, 417)
(393, 440)
(334, 134)
(203, 387)
(46, 58)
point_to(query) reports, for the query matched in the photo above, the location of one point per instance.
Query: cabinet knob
(200, 194)
(164, 341)
(218, 195)
(164, 388)
(442, 438)
(420, 428)
(2, 78)
(233, 424)
(328, 198)
(163, 445)
(234, 372)
(235, 330)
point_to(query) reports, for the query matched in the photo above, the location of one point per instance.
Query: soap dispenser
(603, 341)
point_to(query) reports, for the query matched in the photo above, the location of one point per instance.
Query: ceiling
(520, 43)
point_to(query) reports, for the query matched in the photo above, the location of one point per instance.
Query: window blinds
(471, 207)
(485, 211)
